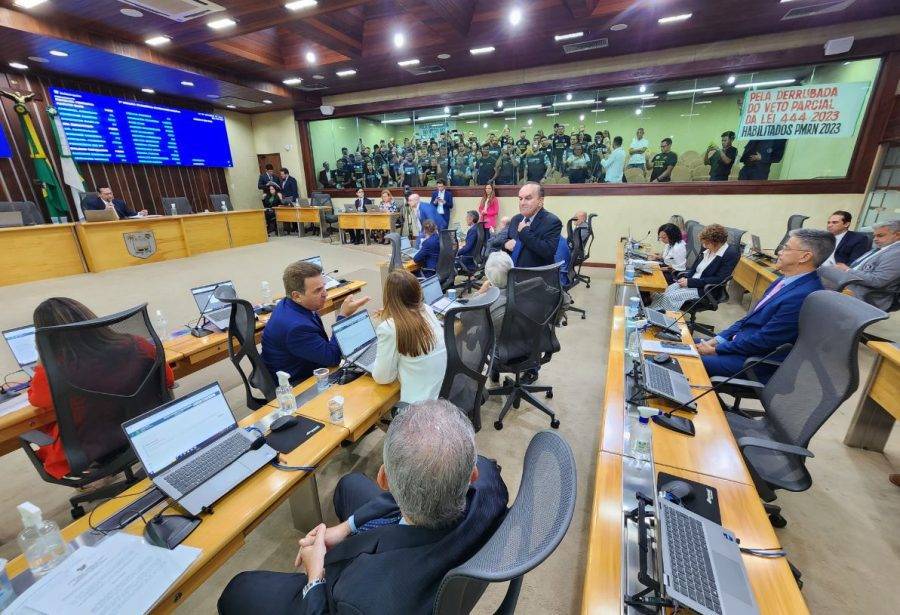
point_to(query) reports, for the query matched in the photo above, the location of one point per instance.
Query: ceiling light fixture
(221, 24)
(500, 103)
(443, 56)
(59, 54)
(412, 62)
(552, 114)
(213, 96)
(524, 108)
(602, 122)
(267, 101)
(292, 80)
(471, 121)
(647, 106)
(618, 27)
(642, 89)
(674, 18)
(148, 90)
(38, 59)
(731, 79)
(568, 37)
(188, 84)
(575, 103)
(485, 125)
(713, 90)
(399, 39)
(703, 102)
(310, 57)
(28, 4)
(762, 84)
(401, 120)
(18, 65)
(638, 111)
(298, 5)
(481, 50)
(597, 110)
(231, 106)
(515, 16)
(631, 97)
(530, 121)
(569, 96)
(471, 113)
(347, 72)
(131, 12)
(318, 77)
(446, 109)
(581, 117)
(156, 41)
(425, 118)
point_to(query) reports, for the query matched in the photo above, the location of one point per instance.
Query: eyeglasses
(785, 248)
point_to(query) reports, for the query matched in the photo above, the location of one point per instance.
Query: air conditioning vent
(817, 9)
(176, 10)
(597, 43)
(423, 70)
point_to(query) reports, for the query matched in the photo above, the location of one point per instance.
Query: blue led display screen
(106, 129)
(5, 151)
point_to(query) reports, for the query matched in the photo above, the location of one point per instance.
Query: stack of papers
(672, 348)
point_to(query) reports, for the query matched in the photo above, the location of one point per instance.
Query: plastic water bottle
(287, 403)
(629, 272)
(265, 292)
(224, 207)
(634, 308)
(173, 209)
(161, 324)
(40, 541)
(640, 436)
(7, 593)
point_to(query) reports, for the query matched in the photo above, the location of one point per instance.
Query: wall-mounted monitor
(5, 150)
(106, 129)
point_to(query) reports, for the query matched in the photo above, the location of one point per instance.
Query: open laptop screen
(315, 260)
(404, 243)
(178, 429)
(21, 342)
(431, 289)
(205, 297)
(354, 333)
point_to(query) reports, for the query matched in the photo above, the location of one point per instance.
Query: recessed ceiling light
(292, 80)
(712, 90)
(59, 54)
(267, 101)
(642, 89)
(310, 57)
(220, 24)
(425, 118)
(318, 77)
(38, 59)
(552, 114)
(581, 117)
(28, 4)
(412, 62)
(188, 84)
(500, 103)
(399, 39)
(446, 109)
(569, 96)
(347, 72)
(148, 90)
(231, 106)
(300, 4)
(443, 56)
(18, 65)
(156, 41)
(131, 12)
(674, 18)
(484, 125)
(471, 121)
(567, 37)
(401, 120)
(731, 79)
(575, 103)
(515, 16)
(632, 97)
(597, 110)
(618, 27)
(530, 121)
(480, 50)
(648, 106)
(213, 96)
(760, 84)
(638, 111)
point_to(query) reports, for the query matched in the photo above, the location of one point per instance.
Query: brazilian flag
(57, 207)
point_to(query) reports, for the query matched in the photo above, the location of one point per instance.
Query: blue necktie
(518, 249)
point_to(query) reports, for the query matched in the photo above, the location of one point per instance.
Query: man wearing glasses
(774, 320)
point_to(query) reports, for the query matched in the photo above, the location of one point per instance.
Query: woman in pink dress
(489, 207)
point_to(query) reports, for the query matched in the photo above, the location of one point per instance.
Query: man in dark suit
(442, 199)
(465, 256)
(289, 188)
(534, 232)
(849, 245)
(775, 318)
(392, 548)
(361, 204)
(266, 178)
(106, 200)
(429, 249)
(294, 340)
(325, 179)
(759, 156)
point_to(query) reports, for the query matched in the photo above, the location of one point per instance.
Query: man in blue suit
(294, 340)
(465, 256)
(289, 189)
(534, 232)
(429, 250)
(775, 318)
(849, 245)
(106, 200)
(392, 548)
(442, 199)
(424, 210)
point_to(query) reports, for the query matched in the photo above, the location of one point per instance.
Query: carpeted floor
(839, 531)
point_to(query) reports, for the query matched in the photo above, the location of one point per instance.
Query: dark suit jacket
(720, 268)
(427, 256)
(539, 239)
(362, 206)
(96, 203)
(772, 325)
(398, 568)
(466, 254)
(289, 188)
(294, 341)
(265, 178)
(448, 202)
(852, 246)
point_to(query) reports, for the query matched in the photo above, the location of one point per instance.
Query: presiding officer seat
(533, 527)
(102, 372)
(30, 212)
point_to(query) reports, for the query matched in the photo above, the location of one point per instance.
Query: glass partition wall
(794, 123)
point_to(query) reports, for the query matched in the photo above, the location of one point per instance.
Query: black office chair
(734, 238)
(329, 223)
(574, 280)
(706, 303)
(794, 222)
(396, 260)
(580, 245)
(692, 242)
(533, 527)
(469, 339)
(527, 336)
(472, 267)
(102, 372)
(819, 374)
(242, 344)
(221, 202)
(31, 214)
(446, 265)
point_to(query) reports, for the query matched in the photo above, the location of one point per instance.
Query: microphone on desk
(197, 330)
(677, 332)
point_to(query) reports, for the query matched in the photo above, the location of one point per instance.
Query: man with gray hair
(433, 504)
(874, 277)
(774, 320)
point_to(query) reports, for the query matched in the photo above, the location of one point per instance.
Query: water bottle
(629, 272)
(634, 308)
(265, 292)
(161, 324)
(285, 394)
(7, 593)
(40, 541)
(224, 207)
(640, 435)
(173, 209)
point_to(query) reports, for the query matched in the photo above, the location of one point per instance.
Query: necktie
(518, 249)
(771, 294)
(862, 259)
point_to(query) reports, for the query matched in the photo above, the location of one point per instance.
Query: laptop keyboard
(691, 569)
(367, 357)
(218, 315)
(209, 463)
(659, 379)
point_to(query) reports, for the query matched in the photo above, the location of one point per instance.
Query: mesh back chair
(574, 280)
(320, 199)
(446, 265)
(820, 373)
(472, 267)
(30, 212)
(181, 204)
(527, 336)
(221, 202)
(706, 303)
(692, 228)
(396, 261)
(242, 344)
(102, 372)
(579, 241)
(469, 338)
(734, 238)
(794, 222)
(533, 527)
(328, 222)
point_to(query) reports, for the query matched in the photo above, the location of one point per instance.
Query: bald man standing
(534, 232)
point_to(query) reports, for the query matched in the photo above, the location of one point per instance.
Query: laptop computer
(667, 384)
(21, 342)
(433, 295)
(100, 215)
(356, 338)
(658, 319)
(193, 450)
(330, 282)
(407, 250)
(701, 563)
(11, 219)
(214, 310)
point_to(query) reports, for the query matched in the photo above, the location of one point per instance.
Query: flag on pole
(54, 199)
(71, 177)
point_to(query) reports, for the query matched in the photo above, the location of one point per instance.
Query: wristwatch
(312, 583)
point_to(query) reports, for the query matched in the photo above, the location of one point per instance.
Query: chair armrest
(751, 386)
(36, 437)
(773, 445)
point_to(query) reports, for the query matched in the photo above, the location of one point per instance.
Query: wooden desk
(105, 244)
(771, 580)
(301, 216)
(39, 252)
(384, 268)
(879, 405)
(754, 278)
(185, 355)
(368, 221)
(655, 282)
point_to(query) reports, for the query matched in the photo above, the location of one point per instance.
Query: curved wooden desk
(25, 251)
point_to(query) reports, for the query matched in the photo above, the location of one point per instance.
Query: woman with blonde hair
(410, 341)
(489, 207)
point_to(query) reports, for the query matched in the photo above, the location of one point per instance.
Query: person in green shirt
(663, 163)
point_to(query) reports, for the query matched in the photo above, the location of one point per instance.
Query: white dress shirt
(837, 242)
(675, 256)
(420, 377)
(638, 158)
(708, 258)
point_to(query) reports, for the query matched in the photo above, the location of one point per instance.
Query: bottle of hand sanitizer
(285, 394)
(40, 541)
